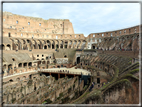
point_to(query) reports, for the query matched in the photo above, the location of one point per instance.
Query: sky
(86, 18)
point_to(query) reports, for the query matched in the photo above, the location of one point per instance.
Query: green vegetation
(48, 101)
(134, 71)
(13, 100)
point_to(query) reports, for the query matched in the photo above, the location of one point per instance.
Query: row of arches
(29, 44)
(124, 42)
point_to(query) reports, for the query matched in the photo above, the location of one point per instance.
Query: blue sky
(86, 17)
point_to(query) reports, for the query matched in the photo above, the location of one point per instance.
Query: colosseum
(45, 62)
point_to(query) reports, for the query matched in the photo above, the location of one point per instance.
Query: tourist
(91, 86)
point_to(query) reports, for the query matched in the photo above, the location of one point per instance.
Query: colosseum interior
(45, 62)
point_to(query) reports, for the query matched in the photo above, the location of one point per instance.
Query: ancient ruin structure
(45, 62)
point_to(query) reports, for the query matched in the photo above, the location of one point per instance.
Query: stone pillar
(58, 75)
(63, 45)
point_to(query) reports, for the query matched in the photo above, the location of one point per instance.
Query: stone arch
(57, 44)
(61, 44)
(25, 64)
(48, 44)
(8, 46)
(53, 44)
(30, 64)
(29, 44)
(24, 44)
(18, 79)
(79, 42)
(74, 43)
(11, 80)
(39, 43)
(70, 43)
(65, 44)
(45, 46)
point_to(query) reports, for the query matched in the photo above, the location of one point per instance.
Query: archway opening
(78, 60)
(98, 80)
(45, 47)
(93, 47)
(57, 46)
(30, 64)
(52, 46)
(20, 65)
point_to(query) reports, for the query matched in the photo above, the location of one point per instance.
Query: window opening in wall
(22, 27)
(56, 37)
(21, 34)
(13, 59)
(28, 41)
(47, 36)
(70, 35)
(93, 35)
(61, 25)
(39, 24)
(98, 34)
(37, 55)
(65, 56)
(11, 80)
(45, 29)
(37, 35)
(32, 36)
(124, 31)
(9, 35)
(10, 26)
(42, 55)
(102, 34)
(17, 21)
(98, 80)
(46, 58)
(135, 30)
(28, 23)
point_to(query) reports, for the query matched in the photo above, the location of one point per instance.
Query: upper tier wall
(33, 24)
(126, 31)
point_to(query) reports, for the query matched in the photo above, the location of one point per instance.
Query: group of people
(64, 71)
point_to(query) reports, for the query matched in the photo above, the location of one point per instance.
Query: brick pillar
(58, 75)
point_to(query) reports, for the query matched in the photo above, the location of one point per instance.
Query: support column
(58, 75)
